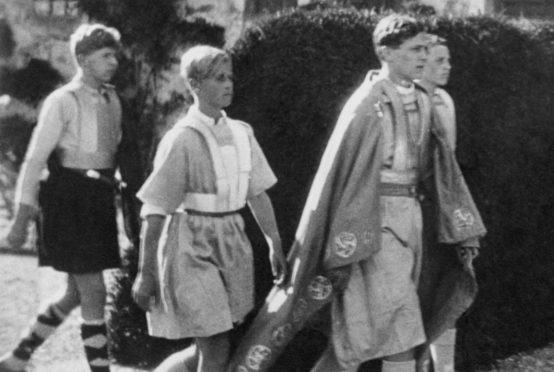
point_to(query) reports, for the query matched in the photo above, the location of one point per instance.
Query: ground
(24, 288)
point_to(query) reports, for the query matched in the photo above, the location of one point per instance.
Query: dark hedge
(294, 73)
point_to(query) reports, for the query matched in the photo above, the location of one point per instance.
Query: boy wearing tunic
(196, 275)
(77, 134)
(442, 303)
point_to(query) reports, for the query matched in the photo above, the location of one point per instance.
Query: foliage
(7, 43)
(28, 85)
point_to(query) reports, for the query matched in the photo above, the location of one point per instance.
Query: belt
(396, 189)
(194, 212)
(96, 175)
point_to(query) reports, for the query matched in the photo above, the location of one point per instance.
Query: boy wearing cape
(360, 241)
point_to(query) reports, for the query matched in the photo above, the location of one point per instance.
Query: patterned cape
(340, 223)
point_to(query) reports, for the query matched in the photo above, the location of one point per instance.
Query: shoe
(11, 363)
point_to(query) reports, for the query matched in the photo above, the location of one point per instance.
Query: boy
(363, 218)
(440, 266)
(207, 167)
(78, 133)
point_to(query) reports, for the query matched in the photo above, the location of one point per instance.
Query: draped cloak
(341, 222)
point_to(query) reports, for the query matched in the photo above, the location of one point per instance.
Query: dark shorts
(77, 225)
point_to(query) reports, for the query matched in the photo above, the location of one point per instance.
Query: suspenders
(228, 197)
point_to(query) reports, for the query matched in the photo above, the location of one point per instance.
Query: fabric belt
(396, 189)
(194, 212)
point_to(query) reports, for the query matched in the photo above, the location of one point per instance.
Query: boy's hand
(144, 290)
(339, 277)
(17, 235)
(466, 255)
(279, 266)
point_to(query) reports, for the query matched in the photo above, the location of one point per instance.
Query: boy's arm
(145, 286)
(262, 209)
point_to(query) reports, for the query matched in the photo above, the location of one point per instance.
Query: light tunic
(81, 125)
(205, 263)
(380, 311)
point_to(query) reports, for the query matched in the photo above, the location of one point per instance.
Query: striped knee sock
(45, 324)
(95, 339)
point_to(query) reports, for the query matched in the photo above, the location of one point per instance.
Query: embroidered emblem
(257, 355)
(379, 109)
(242, 369)
(345, 244)
(463, 218)
(320, 288)
(281, 335)
(299, 310)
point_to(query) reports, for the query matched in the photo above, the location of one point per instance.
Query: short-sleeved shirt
(81, 125)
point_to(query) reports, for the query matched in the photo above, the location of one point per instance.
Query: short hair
(88, 38)
(394, 29)
(199, 62)
(436, 40)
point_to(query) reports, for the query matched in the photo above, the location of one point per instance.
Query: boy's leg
(214, 352)
(44, 325)
(93, 329)
(182, 361)
(401, 362)
(443, 351)
(328, 363)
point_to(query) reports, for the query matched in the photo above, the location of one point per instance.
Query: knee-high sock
(95, 340)
(443, 351)
(406, 366)
(44, 325)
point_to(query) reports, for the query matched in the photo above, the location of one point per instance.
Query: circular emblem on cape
(299, 310)
(463, 218)
(257, 355)
(281, 335)
(320, 288)
(345, 244)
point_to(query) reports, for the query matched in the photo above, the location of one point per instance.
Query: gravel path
(24, 288)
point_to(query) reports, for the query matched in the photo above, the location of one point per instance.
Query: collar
(103, 90)
(195, 112)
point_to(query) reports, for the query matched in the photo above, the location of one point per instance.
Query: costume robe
(341, 223)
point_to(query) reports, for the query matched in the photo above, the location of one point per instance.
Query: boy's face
(99, 65)
(406, 62)
(216, 90)
(437, 68)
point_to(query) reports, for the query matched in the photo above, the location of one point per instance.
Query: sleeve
(52, 119)
(261, 175)
(450, 125)
(166, 186)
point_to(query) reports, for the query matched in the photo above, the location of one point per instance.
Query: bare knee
(69, 299)
(92, 291)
